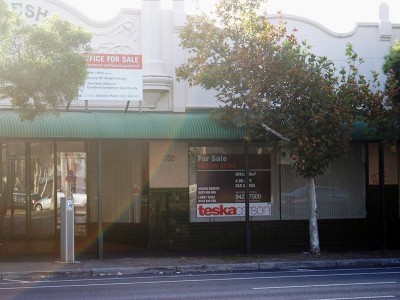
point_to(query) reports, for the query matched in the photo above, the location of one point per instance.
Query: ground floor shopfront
(178, 182)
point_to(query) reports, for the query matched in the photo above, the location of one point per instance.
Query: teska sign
(29, 11)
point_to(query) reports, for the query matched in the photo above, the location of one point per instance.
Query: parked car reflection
(80, 200)
(19, 200)
(332, 202)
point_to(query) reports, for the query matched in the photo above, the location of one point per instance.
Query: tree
(40, 65)
(266, 78)
(392, 66)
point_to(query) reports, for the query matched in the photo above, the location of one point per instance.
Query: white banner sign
(113, 77)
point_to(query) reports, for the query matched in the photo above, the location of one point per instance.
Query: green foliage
(373, 103)
(258, 66)
(40, 65)
(392, 66)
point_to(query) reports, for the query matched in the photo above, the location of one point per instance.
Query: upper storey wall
(121, 34)
(371, 41)
(153, 32)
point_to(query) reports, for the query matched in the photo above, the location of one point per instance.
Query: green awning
(117, 125)
(131, 125)
(363, 132)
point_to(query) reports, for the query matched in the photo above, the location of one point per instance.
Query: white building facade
(154, 171)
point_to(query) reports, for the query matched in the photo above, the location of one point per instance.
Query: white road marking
(323, 285)
(52, 284)
(16, 280)
(357, 298)
(220, 279)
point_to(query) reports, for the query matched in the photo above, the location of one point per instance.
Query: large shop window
(217, 183)
(340, 192)
(34, 178)
(390, 162)
(391, 175)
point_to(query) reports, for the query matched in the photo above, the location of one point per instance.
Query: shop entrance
(35, 175)
(123, 203)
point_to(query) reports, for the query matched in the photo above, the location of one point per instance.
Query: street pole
(28, 185)
(258, 121)
(247, 195)
(100, 234)
(382, 191)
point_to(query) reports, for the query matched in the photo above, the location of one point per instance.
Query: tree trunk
(313, 223)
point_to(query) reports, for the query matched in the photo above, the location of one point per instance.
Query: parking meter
(67, 229)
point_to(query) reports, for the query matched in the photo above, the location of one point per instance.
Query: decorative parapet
(385, 26)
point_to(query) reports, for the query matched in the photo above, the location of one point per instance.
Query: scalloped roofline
(72, 10)
(324, 28)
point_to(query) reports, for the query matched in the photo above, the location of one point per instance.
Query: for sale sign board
(113, 77)
(220, 187)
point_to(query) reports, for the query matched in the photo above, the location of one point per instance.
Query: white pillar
(385, 26)
(152, 37)
(385, 32)
(178, 56)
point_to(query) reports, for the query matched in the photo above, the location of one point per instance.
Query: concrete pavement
(46, 268)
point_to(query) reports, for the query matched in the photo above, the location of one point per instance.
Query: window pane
(42, 175)
(71, 180)
(340, 192)
(14, 193)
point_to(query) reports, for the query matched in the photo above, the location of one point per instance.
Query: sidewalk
(45, 269)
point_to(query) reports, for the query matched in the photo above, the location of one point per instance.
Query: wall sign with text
(219, 185)
(113, 77)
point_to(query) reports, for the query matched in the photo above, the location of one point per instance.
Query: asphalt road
(371, 283)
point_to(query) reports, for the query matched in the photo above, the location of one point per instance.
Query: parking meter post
(67, 230)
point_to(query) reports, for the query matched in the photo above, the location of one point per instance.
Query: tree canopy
(265, 78)
(40, 65)
(259, 67)
(392, 66)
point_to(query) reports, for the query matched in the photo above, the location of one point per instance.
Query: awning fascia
(117, 125)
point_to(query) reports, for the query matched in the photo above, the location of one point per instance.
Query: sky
(337, 15)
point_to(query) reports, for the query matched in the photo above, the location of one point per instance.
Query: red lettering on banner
(217, 211)
(205, 210)
(114, 61)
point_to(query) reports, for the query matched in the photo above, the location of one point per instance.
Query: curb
(230, 267)
(306, 264)
(384, 262)
(42, 275)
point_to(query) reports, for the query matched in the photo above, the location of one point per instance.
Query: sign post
(67, 230)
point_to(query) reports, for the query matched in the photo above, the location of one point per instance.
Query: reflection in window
(42, 177)
(340, 192)
(71, 177)
(13, 189)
